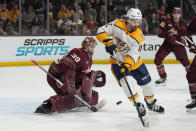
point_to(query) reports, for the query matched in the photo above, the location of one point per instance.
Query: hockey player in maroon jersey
(191, 74)
(172, 29)
(73, 70)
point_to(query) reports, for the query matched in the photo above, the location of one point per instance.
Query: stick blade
(145, 121)
(101, 104)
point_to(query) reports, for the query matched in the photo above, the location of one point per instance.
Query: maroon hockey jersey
(172, 31)
(77, 60)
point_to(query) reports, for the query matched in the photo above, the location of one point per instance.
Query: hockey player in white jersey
(123, 41)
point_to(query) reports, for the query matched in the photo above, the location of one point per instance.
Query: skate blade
(188, 110)
(155, 112)
(191, 110)
(42, 114)
(162, 84)
(145, 121)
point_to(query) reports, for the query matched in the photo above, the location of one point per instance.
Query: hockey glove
(110, 46)
(193, 49)
(125, 68)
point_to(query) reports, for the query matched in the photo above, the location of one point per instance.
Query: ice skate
(154, 107)
(141, 109)
(142, 114)
(160, 82)
(192, 105)
(44, 108)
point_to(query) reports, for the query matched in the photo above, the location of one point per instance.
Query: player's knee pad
(148, 91)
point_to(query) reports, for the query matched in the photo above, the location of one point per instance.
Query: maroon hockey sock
(187, 67)
(192, 89)
(161, 71)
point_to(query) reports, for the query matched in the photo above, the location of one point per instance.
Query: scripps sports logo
(42, 47)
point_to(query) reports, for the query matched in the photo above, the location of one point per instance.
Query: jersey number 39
(75, 57)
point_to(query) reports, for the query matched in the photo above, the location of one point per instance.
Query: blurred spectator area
(82, 17)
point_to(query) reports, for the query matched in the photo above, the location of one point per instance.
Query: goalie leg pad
(86, 89)
(69, 83)
(62, 103)
(95, 97)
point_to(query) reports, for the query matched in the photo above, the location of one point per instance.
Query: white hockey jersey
(129, 44)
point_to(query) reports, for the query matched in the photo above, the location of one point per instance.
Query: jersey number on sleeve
(75, 57)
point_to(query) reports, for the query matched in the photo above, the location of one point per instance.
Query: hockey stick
(91, 107)
(189, 40)
(185, 45)
(180, 43)
(145, 121)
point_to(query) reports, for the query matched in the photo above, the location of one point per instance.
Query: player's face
(91, 48)
(176, 17)
(132, 25)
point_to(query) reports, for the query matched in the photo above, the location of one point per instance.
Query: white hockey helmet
(134, 14)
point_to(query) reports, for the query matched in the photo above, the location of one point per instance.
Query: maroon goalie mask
(88, 45)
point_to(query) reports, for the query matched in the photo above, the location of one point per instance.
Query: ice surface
(23, 89)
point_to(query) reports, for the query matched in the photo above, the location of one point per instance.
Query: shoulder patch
(120, 24)
(162, 24)
(108, 24)
(142, 35)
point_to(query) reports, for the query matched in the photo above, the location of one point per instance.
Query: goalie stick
(93, 108)
(144, 119)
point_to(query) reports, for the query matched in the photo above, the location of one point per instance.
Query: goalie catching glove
(100, 79)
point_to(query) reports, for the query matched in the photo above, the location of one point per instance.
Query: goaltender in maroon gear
(191, 74)
(73, 70)
(172, 29)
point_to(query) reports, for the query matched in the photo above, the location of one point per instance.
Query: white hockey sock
(132, 88)
(148, 92)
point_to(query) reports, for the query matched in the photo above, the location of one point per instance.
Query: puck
(119, 102)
